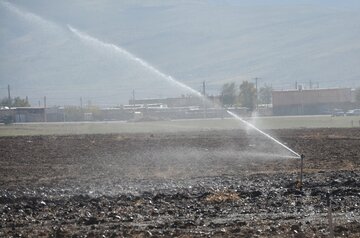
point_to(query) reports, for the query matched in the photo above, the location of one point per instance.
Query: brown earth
(199, 184)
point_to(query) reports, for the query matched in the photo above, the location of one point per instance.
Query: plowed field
(189, 184)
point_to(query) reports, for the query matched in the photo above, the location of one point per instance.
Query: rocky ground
(198, 184)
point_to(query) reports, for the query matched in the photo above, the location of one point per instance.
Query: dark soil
(203, 184)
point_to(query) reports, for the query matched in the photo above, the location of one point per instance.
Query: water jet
(114, 48)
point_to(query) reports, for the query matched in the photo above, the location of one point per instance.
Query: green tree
(265, 94)
(247, 96)
(73, 113)
(16, 102)
(228, 94)
(95, 111)
(5, 102)
(19, 102)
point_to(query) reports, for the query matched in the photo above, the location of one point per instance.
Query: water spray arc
(96, 42)
(92, 40)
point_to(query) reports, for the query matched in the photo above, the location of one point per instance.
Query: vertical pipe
(301, 171)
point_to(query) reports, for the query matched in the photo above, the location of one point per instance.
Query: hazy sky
(122, 42)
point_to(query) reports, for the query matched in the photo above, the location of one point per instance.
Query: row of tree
(14, 102)
(245, 95)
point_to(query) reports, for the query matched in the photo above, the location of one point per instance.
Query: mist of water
(32, 18)
(262, 132)
(98, 43)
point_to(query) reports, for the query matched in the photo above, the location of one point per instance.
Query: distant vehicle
(354, 112)
(337, 113)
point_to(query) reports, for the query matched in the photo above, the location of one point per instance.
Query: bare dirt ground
(198, 184)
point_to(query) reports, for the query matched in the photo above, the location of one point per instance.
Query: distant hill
(192, 40)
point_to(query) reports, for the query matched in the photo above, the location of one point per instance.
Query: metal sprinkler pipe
(302, 156)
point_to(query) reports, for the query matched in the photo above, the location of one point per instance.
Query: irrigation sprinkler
(300, 185)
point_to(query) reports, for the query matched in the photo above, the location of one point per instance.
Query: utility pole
(204, 94)
(222, 105)
(45, 119)
(310, 84)
(64, 114)
(256, 86)
(133, 97)
(9, 96)
(81, 110)
(296, 85)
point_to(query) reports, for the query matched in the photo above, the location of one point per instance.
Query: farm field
(218, 183)
(289, 122)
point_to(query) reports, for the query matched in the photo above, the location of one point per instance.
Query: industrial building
(311, 101)
(23, 114)
(212, 101)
